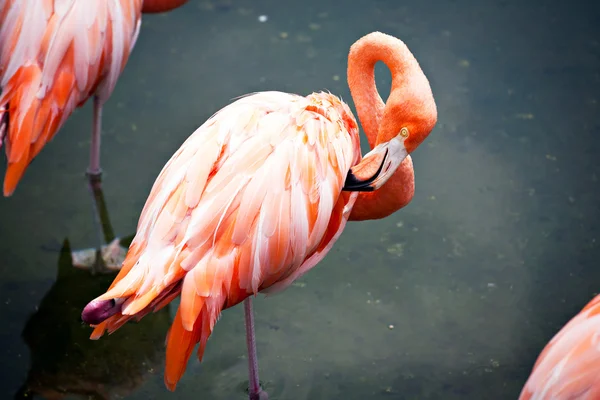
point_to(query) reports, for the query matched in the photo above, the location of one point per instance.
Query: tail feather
(193, 323)
(14, 173)
(110, 325)
(181, 342)
(19, 99)
(33, 120)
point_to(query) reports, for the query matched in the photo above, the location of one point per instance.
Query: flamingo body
(251, 201)
(569, 366)
(55, 55)
(259, 194)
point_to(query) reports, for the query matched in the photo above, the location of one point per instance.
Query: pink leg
(94, 172)
(254, 390)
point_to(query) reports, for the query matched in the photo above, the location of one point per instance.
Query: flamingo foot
(106, 261)
(261, 395)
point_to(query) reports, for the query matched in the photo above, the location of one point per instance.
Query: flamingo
(569, 366)
(259, 194)
(54, 56)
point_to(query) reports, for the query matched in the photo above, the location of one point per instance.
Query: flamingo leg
(94, 171)
(108, 254)
(255, 392)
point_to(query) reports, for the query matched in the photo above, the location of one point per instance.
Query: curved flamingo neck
(364, 54)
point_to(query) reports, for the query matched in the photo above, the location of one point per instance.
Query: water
(452, 297)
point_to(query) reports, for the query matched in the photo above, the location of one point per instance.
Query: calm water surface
(451, 298)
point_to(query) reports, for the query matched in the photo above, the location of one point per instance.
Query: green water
(453, 297)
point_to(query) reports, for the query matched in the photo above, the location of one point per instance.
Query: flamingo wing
(253, 198)
(569, 366)
(55, 54)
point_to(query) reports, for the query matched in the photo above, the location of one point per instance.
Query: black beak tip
(353, 184)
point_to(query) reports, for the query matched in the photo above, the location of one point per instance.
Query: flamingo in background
(569, 366)
(259, 194)
(54, 56)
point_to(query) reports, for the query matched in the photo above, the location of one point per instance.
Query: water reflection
(109, 253)
(65, 362)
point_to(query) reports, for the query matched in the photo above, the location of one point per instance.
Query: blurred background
(452, 297)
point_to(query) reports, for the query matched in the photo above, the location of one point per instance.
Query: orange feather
(56, 66)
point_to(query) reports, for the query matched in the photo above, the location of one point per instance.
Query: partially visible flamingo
(569, 366)
(259, 194)
(54, 56)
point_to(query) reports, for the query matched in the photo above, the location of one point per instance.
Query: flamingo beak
(376, 167)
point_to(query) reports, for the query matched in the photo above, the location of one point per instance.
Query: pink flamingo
(259, 194)
(569, 366)
(54, 56)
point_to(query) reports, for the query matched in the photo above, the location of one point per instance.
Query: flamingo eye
(404, 132)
